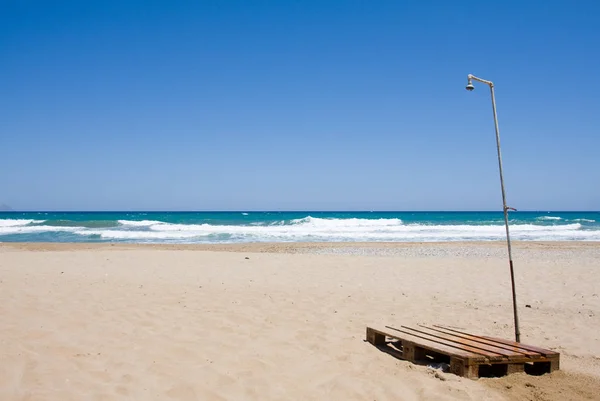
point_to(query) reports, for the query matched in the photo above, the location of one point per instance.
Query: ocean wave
(306, 229)
(549, 218)
(18, 222)
(585, 220)
(85, 223)
(345, 230)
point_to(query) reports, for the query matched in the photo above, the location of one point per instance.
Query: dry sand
(284, 321)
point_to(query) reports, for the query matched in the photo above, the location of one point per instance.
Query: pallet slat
(453, 341)
(544, 352)
(437, 346)
(489, 345)
(492, 353)
(514, 344)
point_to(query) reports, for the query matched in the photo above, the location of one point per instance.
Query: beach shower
(470, 87)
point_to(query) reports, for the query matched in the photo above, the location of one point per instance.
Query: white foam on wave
(549, 218)
(316, 229)
(585, 220)
(139, 223)
(35, 229)
(313, 229)
(354, 222)
(141, 235)
(244, 214)
(18, 222)
(184, 227)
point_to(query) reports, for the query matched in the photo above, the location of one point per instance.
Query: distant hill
(5, 208)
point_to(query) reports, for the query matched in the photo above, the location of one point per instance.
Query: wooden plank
(531, 354)
(438, 346)
(489, 343)
(491, 355)
(543, 352)
(476, 346)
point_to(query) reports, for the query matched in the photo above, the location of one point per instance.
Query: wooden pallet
(466, 354)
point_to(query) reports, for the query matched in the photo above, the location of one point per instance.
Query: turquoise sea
(231, 227)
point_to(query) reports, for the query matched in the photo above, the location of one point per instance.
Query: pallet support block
(515, 368)
(375, 337)
(460, 368)
(554, 364)
(412, 352)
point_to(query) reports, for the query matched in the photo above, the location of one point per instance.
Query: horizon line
(292, 211)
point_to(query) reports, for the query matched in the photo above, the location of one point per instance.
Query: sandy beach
(285, 321)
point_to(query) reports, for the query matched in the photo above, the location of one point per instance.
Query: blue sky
(344, 105)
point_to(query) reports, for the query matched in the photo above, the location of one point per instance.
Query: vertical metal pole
(512, 274)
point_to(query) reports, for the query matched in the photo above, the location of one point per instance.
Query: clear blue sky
(220, 105)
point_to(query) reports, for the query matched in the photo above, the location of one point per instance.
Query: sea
(249, 226)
